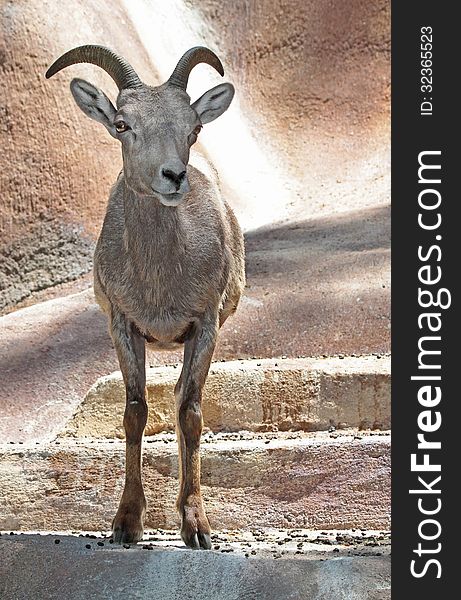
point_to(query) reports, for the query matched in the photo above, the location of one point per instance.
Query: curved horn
(189, 60)
(117, 67)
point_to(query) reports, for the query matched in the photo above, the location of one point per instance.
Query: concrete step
(318, 480)
(309, 394)
(338, 567)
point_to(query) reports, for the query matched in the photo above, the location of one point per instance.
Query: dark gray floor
(35, 567)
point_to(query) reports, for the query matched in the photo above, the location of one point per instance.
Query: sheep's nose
(169, 174)
(174, 173)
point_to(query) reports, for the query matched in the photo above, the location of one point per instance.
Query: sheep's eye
(121, 126)
(193, 136)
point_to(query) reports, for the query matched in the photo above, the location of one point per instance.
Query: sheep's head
(155, 125)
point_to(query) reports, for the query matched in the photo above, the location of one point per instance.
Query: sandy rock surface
(307, 134)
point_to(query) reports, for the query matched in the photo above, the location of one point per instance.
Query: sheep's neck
(153, 231)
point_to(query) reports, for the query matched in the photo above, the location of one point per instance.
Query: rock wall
(57, 165)
(312, 79)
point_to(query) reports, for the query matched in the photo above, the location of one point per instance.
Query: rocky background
(312, 79)
(303, 157)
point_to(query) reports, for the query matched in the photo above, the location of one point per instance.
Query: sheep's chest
(162, 301)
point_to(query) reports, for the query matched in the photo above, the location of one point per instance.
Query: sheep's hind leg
(128, 524)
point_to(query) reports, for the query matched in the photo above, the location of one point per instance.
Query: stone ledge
(76, 568)
(308, 394)
(284, 480)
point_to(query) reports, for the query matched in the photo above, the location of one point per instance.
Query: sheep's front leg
(128, 524)
(195, 529)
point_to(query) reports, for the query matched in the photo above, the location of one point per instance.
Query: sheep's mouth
(171, 199)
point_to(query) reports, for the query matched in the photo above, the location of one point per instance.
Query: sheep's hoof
(127, 526)
(195, 529)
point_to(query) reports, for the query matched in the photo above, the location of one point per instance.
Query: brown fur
(162, 273)
(168, 266)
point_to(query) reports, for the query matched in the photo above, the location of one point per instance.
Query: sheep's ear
(213, 103)
(94, 103)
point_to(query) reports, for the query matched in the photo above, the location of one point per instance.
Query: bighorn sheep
(169, 262)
